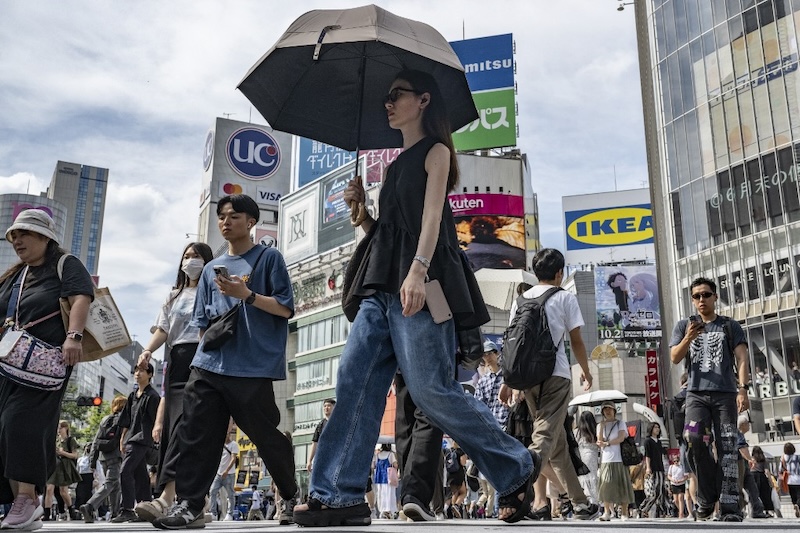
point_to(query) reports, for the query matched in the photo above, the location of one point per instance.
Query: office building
(10, 207)
(722, 122)
(82, 190)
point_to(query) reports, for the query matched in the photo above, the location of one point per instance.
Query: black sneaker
(586, 511)
(181, 516)
(704, 513)
(88, 513)
(565, 506)
(286, 512)
(125, 515)
(541, 515)
(732, 517)
(416, 511)
(762, 514)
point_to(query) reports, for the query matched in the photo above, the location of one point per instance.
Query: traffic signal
(89, 401)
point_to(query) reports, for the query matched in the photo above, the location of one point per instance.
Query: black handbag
(470, 348)
(223, 327)
(350, 301)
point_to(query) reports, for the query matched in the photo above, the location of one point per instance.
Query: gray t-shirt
(711, 361)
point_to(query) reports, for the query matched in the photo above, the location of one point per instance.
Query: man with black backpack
(716, 348)
(106, 447)
(535, 361)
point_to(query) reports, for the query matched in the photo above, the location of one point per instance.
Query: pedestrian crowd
(515, 451)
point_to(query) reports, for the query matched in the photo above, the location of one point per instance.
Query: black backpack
(529, 353)
(452, 461)
(108, 436)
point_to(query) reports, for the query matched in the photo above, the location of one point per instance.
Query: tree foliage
(83, 421)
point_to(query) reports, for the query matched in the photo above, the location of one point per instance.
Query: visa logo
(616, 226)
(266, 196)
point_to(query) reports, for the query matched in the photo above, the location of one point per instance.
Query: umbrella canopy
(499, 285)
(326, 77)
(599, 396)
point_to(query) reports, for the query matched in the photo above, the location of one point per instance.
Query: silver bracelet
(424, 260)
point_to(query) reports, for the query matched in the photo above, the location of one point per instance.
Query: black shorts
(678, 489)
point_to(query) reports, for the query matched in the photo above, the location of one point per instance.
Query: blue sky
(135, 86)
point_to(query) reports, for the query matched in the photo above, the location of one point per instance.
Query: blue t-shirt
(711, 361)
(258, 350)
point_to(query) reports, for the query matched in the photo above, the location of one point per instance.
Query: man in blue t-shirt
(717, 353)
(235, 378)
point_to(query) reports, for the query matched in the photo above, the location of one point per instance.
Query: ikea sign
(609, 226)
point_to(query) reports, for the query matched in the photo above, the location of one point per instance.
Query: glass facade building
(82, 189)
(726, 116)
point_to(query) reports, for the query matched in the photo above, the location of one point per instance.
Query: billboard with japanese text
(489, 66)
(335, 228)
(627, 302)
(651, 380)
(315, 159)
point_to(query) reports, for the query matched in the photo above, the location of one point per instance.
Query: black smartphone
(221, 271)
(696, 320)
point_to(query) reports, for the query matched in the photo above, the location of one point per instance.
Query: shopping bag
(105, 332)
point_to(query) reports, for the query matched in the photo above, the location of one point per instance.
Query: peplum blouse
(395, 236)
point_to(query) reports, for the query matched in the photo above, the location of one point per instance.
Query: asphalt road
(459, 526)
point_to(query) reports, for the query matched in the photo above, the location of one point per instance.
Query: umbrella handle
(358, 211)
(358, 214)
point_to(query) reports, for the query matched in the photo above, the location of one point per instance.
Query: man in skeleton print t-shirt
(715, 348)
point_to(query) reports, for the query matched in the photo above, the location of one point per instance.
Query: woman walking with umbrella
(413, 239)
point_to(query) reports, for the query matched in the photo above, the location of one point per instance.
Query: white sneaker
(228, 518)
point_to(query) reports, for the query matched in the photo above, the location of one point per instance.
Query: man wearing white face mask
(173, 330)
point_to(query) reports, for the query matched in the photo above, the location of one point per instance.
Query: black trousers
(419, 450)
(178, 361)
(133, 478)
(711, 417)
(83, 491)
(764, 490)
(209, 401)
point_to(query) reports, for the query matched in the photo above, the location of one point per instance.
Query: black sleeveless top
(395, 236)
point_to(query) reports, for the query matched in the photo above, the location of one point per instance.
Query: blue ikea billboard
(488, 61)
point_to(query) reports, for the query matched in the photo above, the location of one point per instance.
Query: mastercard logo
(232, 188)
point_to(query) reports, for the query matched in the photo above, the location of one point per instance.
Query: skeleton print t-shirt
(711, 363)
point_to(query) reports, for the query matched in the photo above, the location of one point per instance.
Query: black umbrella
(326, 77)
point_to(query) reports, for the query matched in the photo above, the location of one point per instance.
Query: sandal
(319, 515)
(522, 507)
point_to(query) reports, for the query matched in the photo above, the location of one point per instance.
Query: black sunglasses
(394, 94)
(698, 295)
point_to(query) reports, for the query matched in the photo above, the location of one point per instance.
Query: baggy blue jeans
(380, 341)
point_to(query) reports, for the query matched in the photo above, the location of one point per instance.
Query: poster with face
(490, 229)
(627, 300)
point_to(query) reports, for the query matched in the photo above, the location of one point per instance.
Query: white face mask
(192, 267)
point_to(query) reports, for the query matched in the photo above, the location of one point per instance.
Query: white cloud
(134, 88)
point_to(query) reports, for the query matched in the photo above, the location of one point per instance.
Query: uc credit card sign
(609, 226)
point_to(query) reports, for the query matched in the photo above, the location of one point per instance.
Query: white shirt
(175, 316)
(255, 502)
(231, 448)
(563, 315)
(84, 464)
(677, 474)
(611, 453)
